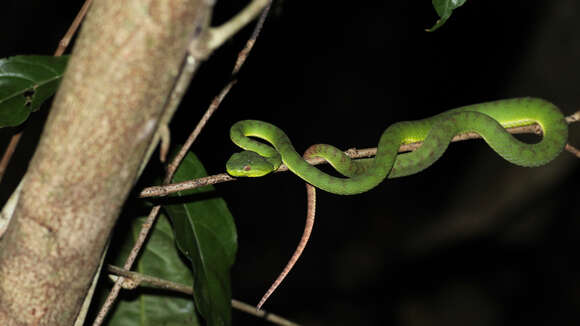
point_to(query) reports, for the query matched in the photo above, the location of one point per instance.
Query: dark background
(471, 240)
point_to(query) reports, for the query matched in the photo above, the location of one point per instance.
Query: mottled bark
(102, 121)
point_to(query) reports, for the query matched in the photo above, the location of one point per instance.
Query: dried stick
(64, 42)
(243, 55)
(9, 152)
(172, 167)
(222, 33)
(132, 280)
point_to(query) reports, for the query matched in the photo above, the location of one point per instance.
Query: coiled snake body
(487, 119)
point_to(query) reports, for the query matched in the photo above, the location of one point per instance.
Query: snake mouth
(246, 173)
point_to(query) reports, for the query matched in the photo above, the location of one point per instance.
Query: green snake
(489, 120)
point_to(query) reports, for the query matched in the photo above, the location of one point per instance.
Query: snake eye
(247, 168)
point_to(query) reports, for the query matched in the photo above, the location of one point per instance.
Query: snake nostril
(247, 168)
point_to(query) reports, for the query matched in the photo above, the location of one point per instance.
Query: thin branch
(222, 33)
(9, 152)
(112, 296)
(64, 42)
(62, 45)
(172, 167)
(250, 43)
(161, 191)
(249, 309)
(132, 280)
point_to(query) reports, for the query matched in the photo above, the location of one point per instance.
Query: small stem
(112, 296)
(138, 279)
(222, 33)
(64, 42)
(172, 167)
(249, 309)
(252, 40)
(9, 152)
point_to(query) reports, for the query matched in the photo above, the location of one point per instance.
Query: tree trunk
(123, 67)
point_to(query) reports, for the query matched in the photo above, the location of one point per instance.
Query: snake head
(248, 164)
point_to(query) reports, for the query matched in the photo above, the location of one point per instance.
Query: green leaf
(25, 83)
(160, 258)
(444, 9)
(206, 235)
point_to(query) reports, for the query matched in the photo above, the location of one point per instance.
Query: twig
(62, 45)
(172, 167)
(250, 43)
(64, 42)
(112, 296)
(133, 280)
(222, 33)
(161, 191)
(9, 152)
(249, 309)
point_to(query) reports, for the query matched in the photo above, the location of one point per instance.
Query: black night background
(473, 240)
